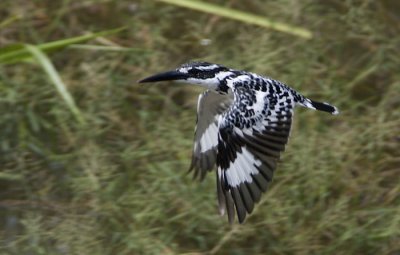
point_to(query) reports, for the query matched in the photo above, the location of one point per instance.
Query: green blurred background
(106, 172)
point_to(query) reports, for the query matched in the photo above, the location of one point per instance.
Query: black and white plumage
(243, 125)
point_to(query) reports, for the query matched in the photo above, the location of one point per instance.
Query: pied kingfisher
(243, 125)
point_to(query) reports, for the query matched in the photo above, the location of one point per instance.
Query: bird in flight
(243, 125)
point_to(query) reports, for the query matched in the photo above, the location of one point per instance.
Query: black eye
(195, 72)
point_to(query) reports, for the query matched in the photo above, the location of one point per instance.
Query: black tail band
(325, 107)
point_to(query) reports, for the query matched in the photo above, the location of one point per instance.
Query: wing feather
(248, 151)
(209, 107)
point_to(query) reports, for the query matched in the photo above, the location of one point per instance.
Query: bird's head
(200, 73)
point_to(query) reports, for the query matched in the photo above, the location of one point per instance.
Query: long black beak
(167, 76)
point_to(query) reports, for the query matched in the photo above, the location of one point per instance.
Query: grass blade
(241, 16)
(48, 67)
(9, 21)
(106, 48)
(18, 52)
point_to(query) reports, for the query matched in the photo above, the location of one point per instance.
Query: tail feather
(325, 107)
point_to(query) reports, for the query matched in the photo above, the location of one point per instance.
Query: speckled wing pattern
(252, 134)
(209, 107)
(243, 125)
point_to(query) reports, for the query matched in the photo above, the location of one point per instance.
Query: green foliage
(118, 185)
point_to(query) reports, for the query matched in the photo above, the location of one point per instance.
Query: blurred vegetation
(115, 182)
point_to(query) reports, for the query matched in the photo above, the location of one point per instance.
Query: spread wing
(209, 107)
(252, 135)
